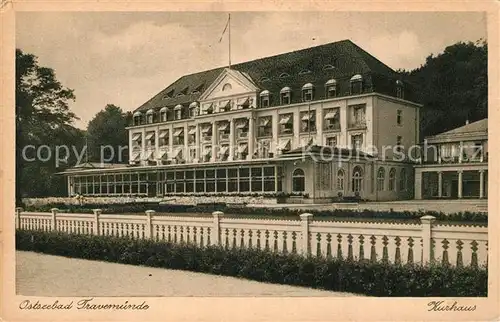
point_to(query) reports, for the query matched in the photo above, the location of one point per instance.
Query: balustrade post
(97, 213)
(19, 210)
(216, 227)
(53, 224)
(305, 245)
(149, 224)
(427, 251)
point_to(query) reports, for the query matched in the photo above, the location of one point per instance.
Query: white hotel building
(243, 130)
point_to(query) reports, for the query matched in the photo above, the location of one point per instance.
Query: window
(163, 114)
(356, 84)
(402, 180)
(193, 109)
(357, 141)
(307, 92)
(178, 136)
(399, 117)
(170, 94)
(263, 148)
(304, 72)
(192, 135)
(298, 181)
(150, 139)
(163, 138)
(308, 121)
(399, 146)
(149, 116)
(284, 75)
(137, 118)
(207, 108)
(399, 89)
(357, 116)
(227, 87)
(264, 98)
(357, 179)
(178, 112)
(265, 126)
(286, 123)
(244, 176)
(331, 141)
(392, 180)
(328, 67)
(332, 119)
(285, 95)
(340, 180)
(223, 153)
(242, 128)
(331, 88)
(380, 179)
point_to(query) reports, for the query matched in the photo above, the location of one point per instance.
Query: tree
(453, 87)
(107, 131)
(43, 117)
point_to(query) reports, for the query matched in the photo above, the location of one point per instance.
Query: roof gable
(238, 82)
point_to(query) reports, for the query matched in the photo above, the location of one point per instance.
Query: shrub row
(472, 217)
(373, 279)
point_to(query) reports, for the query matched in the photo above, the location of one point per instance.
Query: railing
(357, 124)
(242, 135)
(223, 137)
(332, 127)
(400, 243)
(206, 138)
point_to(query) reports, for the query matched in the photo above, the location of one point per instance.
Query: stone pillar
(197, 144)
(186, 144)
(231, 140)
(19, 210)
(97, 214)
(296, 129)
(143, 145)
(157, 142)
(53, 221)
(70, 193)
(427, 252)
(319, 125)
(440, 184)
(305, 245)
(460, 175)
(461, 152)
(481, 183)
(214, 141)
(251, 137)
(418, 184)
(148, 233)
(275, 127)
(130, 146)
(217, 215)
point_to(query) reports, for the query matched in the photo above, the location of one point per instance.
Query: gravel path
(47, 275)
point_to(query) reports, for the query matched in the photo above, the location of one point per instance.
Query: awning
(207, 151)
(148, 155)
(192, 131)
(285, 119)
(264, 121)
(178, 107)
(307, 117)
(242, 148)
(178, 132)
(224, 150)
(150, 135)
(176, 152)
(136, 137)
(162, 153)
(285, 145)
(242, 101)
(242, 124)
(331, 115)
(136, 157)
(163, 134)
(223, 126)
(224, 103)
(206, 129)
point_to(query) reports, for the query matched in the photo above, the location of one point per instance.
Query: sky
(125, 58)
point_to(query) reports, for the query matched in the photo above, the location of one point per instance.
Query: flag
(225, 28)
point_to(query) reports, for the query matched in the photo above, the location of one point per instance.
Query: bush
(373, 279)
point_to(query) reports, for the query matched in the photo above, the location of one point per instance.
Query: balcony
(332, 127)
(361, 124)
(206, 139)
(242, 135)
(224, 137)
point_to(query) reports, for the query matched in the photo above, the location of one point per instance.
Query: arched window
(392, 179)
(331, 88)
(193, 109)
(137, 118)
(149, 116)
(284, 75)
(307, 92)
(357, 179)
(163, 114)
(227, 87)
(264, 98)
(380, 179)
(340, 180)
(178, 112)
(402, 180)
(285, 95)
(298, 181)
(356, 84)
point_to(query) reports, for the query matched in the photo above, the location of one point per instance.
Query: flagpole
(229, 26)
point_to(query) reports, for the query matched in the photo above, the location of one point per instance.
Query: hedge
(464, 217)
(361, 277)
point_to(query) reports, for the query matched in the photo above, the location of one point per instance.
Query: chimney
(466, 121)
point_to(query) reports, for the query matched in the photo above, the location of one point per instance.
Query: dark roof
(478, 127)
(303, 66)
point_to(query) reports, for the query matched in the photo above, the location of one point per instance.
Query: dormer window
(178, 112)
(170, 94)
(399, 89)
(137, 118)
(149, 116)
(356, 84)
(285, 95)
(198, 89)
(284, 75)
(227, 87)
(193, 109)
(264, 79)
(163, 114)
(328, 67)
(331, 88)
(307, 92)
(264, 98)
(304, 72)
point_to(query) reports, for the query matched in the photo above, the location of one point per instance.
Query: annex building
(320, 123)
